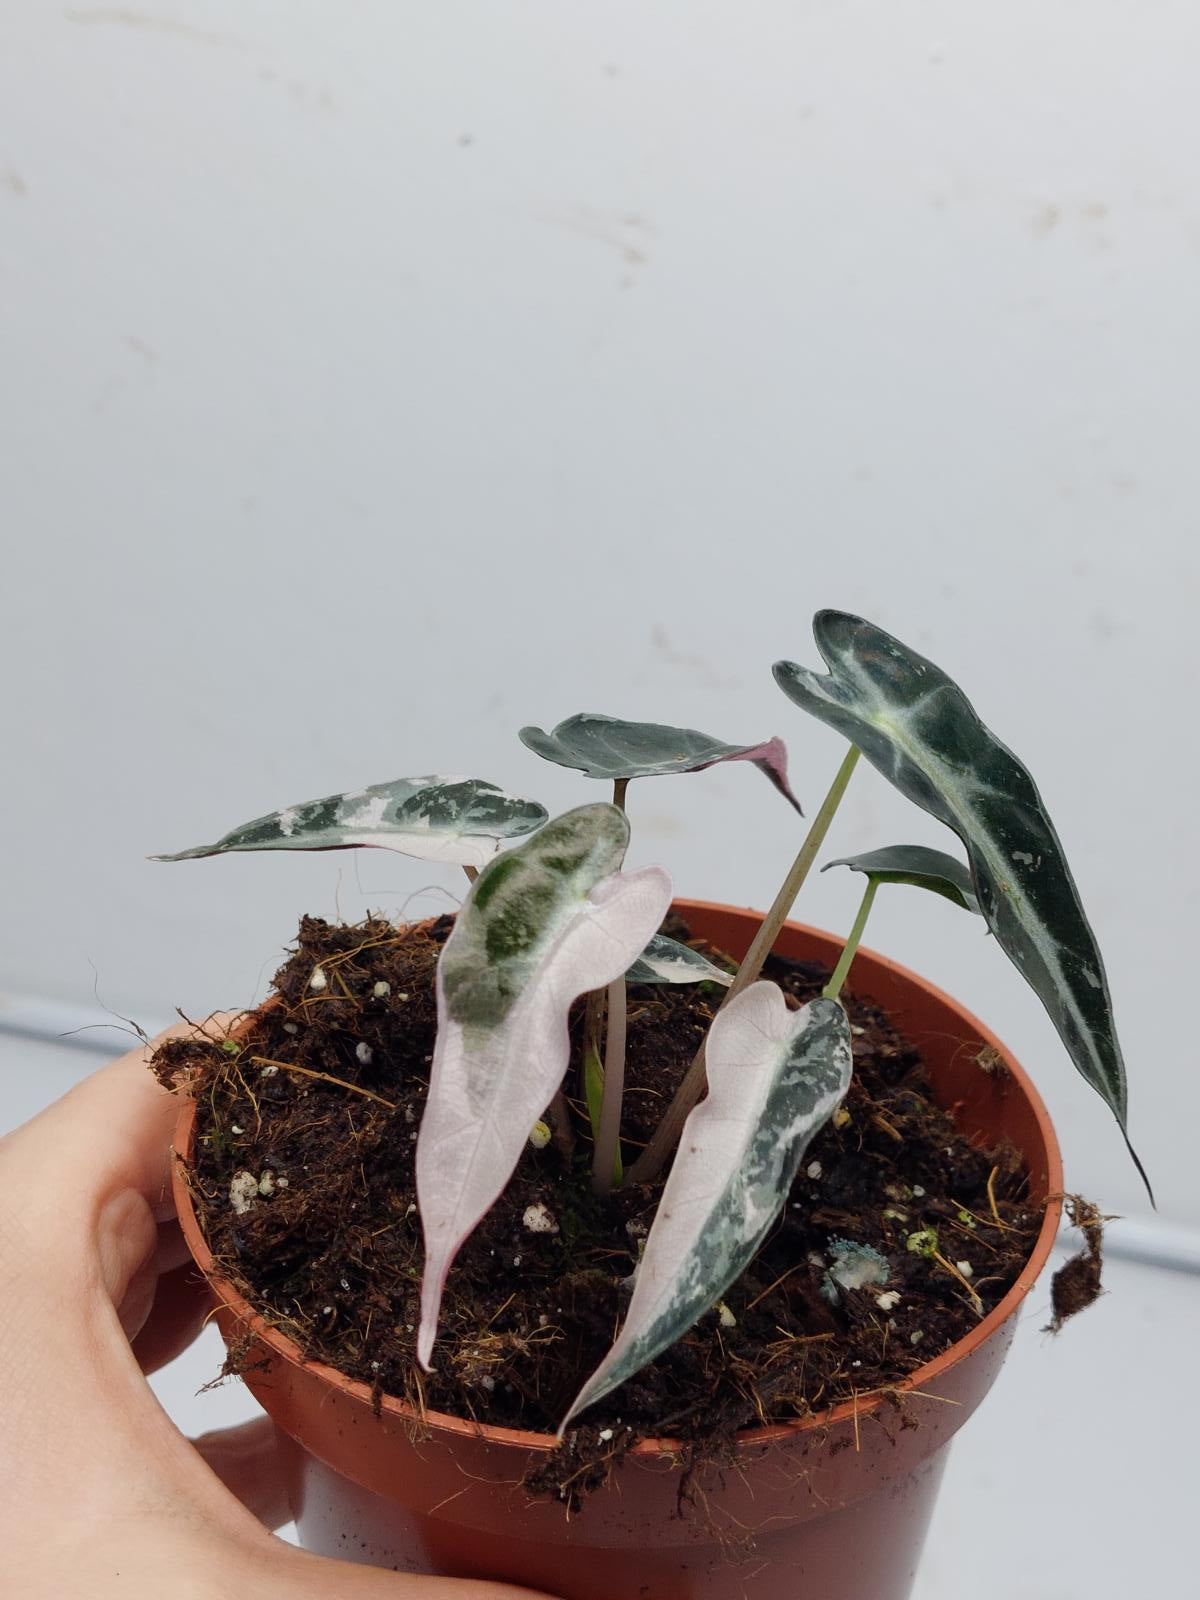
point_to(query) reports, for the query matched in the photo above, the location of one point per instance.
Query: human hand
(100, 1495)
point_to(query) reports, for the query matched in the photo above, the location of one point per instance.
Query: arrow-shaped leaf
(668, 961)
(917, 727)
(610, 747)
(916, 864)
(460, 820)
(774, 1077)
(544, 924)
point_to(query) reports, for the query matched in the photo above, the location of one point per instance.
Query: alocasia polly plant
(555, 917)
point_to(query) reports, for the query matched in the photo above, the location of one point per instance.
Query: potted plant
(615, 1246)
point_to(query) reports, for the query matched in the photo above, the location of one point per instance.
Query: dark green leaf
(915, 864)
(917, 727)
(609, 747)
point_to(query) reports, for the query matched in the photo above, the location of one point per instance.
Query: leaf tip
(431, 1301)
(587, 1396)
(772, 761)
(1142, 1173)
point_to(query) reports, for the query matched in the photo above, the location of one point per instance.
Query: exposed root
(1076, 1285)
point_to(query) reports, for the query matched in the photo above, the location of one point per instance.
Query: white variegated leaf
(458, 820)
(614, 749)
(668, 961)
(774, 1078)
(548, 921)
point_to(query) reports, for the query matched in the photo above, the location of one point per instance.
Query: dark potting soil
(303, 1181)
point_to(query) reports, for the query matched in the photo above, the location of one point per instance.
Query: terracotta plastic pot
(832, 1508)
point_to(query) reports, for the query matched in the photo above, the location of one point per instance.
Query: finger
(257, 1462)
(110, 1137)
(307, 1577)
(248, 1462)
(182, 1304)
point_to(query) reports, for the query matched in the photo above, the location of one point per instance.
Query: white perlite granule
(538, 1220)
(243, 1192)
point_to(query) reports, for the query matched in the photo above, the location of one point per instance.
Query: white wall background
(379, 377)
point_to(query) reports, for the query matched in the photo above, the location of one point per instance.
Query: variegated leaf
(610, 747)
(547, 922)
(916, 864)
(668, 961)
(917, 727)
(459, 820)
(774, 1078)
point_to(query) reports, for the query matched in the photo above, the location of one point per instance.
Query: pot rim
(286, 1348)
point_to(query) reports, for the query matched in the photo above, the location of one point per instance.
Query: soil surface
(303, 1181)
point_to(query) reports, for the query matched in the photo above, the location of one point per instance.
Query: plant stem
(593, 1022)
(593, 1029)
(666, 1135)
(607, 1152)
(606, 1170)
(768, 932)
(560, 1126)
(834, 987)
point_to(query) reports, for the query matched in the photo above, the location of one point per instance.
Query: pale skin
(100, 1494)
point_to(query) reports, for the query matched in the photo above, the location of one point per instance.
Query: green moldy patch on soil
(303, 1182)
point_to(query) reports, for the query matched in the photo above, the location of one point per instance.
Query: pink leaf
(502, 1044)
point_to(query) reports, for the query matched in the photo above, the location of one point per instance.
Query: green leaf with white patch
(668, 961)
(774, 1078)
(611, 748)
(916, 726)
(459, 820)
(550, 920)
(919, 865)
